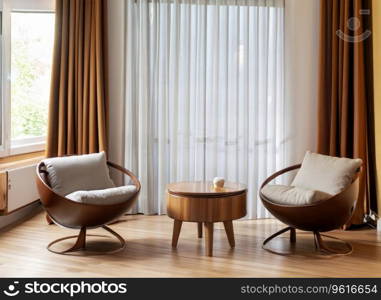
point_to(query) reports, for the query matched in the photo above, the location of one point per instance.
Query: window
(28, 38)
(204, 94)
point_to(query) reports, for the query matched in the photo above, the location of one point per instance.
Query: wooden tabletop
(205, 189)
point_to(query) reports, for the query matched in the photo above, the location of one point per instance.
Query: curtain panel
(345, 111)
(204, 95)
(78, 101)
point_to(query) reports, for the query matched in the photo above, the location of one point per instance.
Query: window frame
(7, 7)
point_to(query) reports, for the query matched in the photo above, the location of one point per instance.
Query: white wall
(116, 84)
(301, 74)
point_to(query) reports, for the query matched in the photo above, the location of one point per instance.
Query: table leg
(208, 226)
(176, 232)
(199, 229)
(230, 232)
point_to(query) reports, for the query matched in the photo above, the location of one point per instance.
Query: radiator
(18, 188)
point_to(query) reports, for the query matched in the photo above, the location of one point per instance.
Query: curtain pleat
(204, 94)
(345, 90)
(78, 100)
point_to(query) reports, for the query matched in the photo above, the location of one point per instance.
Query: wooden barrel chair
(323, 216)
(82, 216)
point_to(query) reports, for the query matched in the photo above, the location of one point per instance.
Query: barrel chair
(78, 193)
(322, 197)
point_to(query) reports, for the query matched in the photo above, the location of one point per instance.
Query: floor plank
(149, 252)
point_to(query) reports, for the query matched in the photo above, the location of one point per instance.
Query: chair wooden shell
(76, 215)
(322, 216)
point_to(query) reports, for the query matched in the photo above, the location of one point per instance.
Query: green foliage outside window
(32, 42)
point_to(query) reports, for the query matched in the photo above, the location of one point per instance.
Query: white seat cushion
(78, 173)
(104, 197)
(326, 173)
(290, 195)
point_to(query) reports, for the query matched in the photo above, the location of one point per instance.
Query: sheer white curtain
(204, 94)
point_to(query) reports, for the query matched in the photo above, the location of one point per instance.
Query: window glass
(32, 35)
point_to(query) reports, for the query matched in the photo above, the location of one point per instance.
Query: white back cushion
(81, 172)
(326, 173)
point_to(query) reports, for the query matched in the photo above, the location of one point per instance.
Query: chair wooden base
(80, 244)
(49, 220)
(319, 243)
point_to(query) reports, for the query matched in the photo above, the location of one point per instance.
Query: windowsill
(27, 145)
(28, 148)
(21, 160)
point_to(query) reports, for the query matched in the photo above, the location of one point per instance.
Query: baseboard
(19, 216)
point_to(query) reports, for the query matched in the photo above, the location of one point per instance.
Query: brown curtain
(345, 108)
(78, 98)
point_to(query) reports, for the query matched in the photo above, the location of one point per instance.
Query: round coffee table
(201, 202)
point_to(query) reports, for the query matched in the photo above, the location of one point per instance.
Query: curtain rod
(265, 3)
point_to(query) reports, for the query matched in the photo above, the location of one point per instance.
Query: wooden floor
(149, 253)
